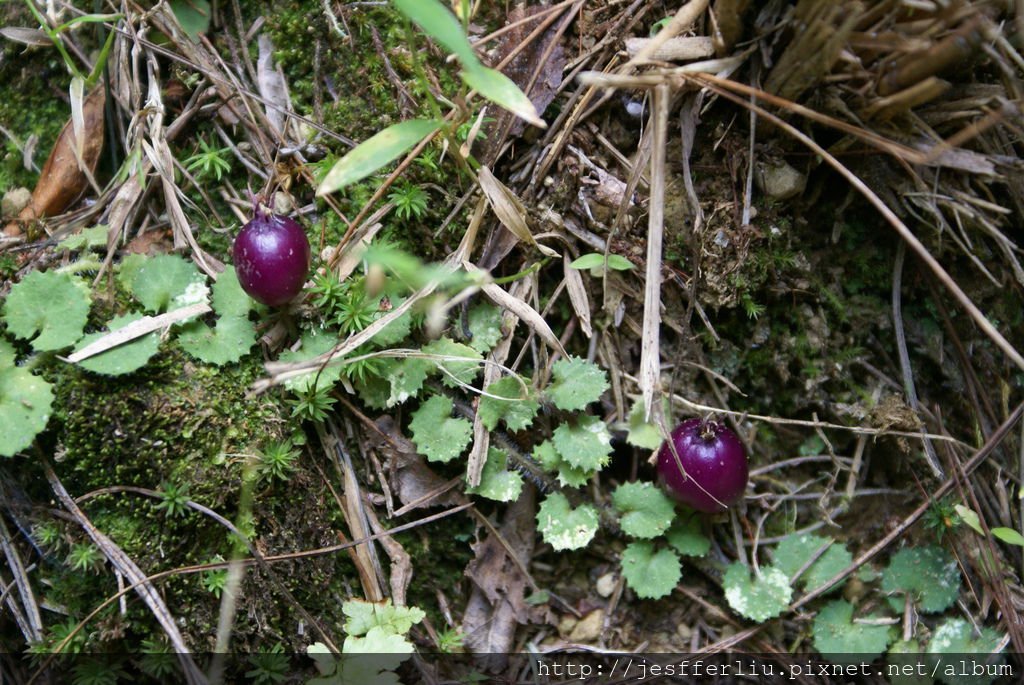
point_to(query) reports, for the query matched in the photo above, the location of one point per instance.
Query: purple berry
(714, 465)
(271, 256)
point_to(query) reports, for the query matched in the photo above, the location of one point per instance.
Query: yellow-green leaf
(376, 152)
(436, 21)
(503, 91)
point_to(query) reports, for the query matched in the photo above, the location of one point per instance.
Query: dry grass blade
(492, 372)
(678, 49)
(577, 296)
(650, 354)
(124, 564)
(682, 21)
(137, 329)
(29, 621)
(521, 309)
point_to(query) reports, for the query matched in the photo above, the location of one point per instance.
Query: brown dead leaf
(62, 180)
(497, 605)
(539, 60)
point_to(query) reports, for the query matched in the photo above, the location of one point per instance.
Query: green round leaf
(459, 364)
(929, 574)
(688, 539)
(576, 383)
(758, 599)
(842, 640)
(646, 511)
(437, 435)
(160, 280)
(506, 399)
(584, 443)
(485, 325)
(496, 482)
(563, 527)
(956, 637)
(49, 303)
(228, 297)
(313, 345)
(124, 358)
(651, 574)
(794, 551)
(226, 343)
(25, 404)
(568, 475)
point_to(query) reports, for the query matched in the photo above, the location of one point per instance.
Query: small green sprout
(269, 667)
(209, 162)
(215, 580)
(312, 404)
(277, 461)
(85, 556)
(410, 201)
(173, 499)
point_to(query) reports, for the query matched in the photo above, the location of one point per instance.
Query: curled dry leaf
(509, 209)
(577, 296)
(62, 180)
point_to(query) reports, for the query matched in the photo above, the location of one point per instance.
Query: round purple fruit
(711, 470)
(271, 256)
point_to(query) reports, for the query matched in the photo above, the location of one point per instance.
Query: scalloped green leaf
(314, 344)
(506, 399)
(164, 279)
(496, 482)
(363, 616)
(956, 637)
(794, 550)
(929, 574)
(459, 364)
(584, 443)
(563, 527)
(842, 640)
(903, 654)
(646, 511)
(48, 303)
(25, 404)
(437, 435)
(374, 391)
(227, 342)
(485, 325)
(371, 658)
(642, 434)
(406, 377)
(650, 574)
(86, 239)
(757, 598)
(551, 460)
(128, 268)
(124, 358)
(228, 297)
(576, 383)
(688, 539)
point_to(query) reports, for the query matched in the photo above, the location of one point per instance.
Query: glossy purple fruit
(271, 258)
(714, 465)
